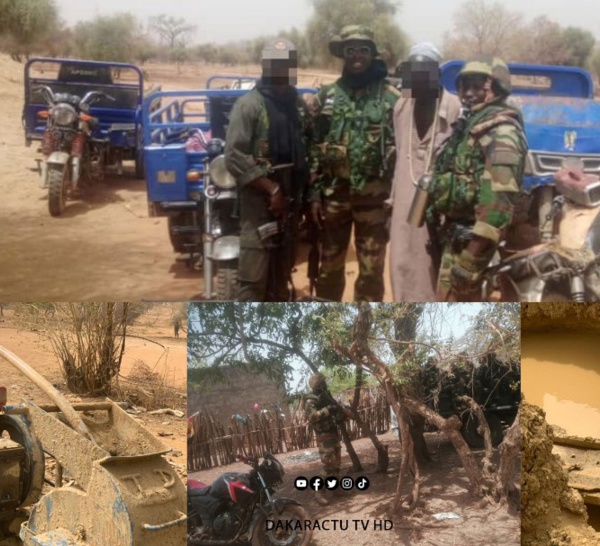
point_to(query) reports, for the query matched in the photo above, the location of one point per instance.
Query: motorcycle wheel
(292, 513)
(58, 180)
(178, 242)
(227, 280)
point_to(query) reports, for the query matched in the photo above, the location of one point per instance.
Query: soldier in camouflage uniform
(352, 164)
(321, 414)
(268, 127)
(477, 179)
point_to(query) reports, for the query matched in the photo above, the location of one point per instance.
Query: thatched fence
(210, 444)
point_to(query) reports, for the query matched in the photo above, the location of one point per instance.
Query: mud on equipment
(113, 485)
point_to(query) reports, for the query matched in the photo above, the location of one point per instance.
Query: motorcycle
(72, 154)
(221, 224)
(565, 265)
(241, 508)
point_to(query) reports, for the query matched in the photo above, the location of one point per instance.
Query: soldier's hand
(277, 204)
(317, 214)
(348, 413)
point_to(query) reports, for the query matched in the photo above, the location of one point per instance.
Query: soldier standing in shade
(321, 413)
(352, 163)
(176, 327)
(422, 121)
(477, 179)
(267, 128)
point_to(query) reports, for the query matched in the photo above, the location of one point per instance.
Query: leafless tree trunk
(482, 483)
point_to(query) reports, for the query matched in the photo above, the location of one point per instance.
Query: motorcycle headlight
(64, 114)
(219, 174)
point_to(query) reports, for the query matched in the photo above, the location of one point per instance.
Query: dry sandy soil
(105, 246)
(160, 351)
(444, 489)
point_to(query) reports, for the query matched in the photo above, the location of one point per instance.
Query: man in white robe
(422, 121)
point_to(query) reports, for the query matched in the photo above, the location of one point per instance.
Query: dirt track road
(102, 248)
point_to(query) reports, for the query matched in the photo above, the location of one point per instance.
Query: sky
(225, 20)
(439, 321)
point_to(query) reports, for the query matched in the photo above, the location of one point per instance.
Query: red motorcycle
(72, 149)
(240, 508)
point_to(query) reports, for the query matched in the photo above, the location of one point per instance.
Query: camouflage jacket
(319, 416)
(353, 137)
(478, 174)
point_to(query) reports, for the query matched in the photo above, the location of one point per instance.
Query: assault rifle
(280, 235)
(444, 163)
(327, 399)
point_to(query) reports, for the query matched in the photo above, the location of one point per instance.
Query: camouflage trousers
(366, 212)
(444, 288)
(330, 451)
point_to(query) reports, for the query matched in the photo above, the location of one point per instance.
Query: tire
(227, 280)
(34, 464)
(473, 438)
(290, 512)
(140, 171)
(58, 179)
(178, 241)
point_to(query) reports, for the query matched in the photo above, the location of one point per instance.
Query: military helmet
(493, 67)
(280, 49)
(348, 33)
(316, 379)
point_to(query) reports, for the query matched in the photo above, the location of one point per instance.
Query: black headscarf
(286, 141)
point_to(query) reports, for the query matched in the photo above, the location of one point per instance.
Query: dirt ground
(444, 489)
(164, 355)
(104, 247)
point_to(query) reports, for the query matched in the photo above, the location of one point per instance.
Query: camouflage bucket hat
(493, 67)
(279, 49)
(351, 32)
(315, 380)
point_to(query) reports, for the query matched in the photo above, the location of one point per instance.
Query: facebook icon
(316, 483)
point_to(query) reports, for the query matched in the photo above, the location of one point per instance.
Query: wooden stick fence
(211, 445)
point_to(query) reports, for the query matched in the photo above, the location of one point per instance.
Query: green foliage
(25, 23)
(108, 38)
(579, 44)
(329, 16)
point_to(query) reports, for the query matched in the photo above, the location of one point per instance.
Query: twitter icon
(331, 483)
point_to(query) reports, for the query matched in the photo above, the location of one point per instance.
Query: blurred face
(358, 56)
(473, 89)
(280, 71)
(420, 79)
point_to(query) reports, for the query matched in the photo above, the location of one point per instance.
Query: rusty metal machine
(111, 486)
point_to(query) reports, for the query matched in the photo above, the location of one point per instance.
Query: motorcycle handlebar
(93, 96)
(46, 91)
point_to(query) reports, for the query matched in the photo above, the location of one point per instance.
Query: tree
(170, 29)
(266, 338)
(111, 38)
(331, 15)
(365, 348)
(482, 28)
(87, 338)
(540, 41)
(594, 64)
(25, 23)
(579, 44)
